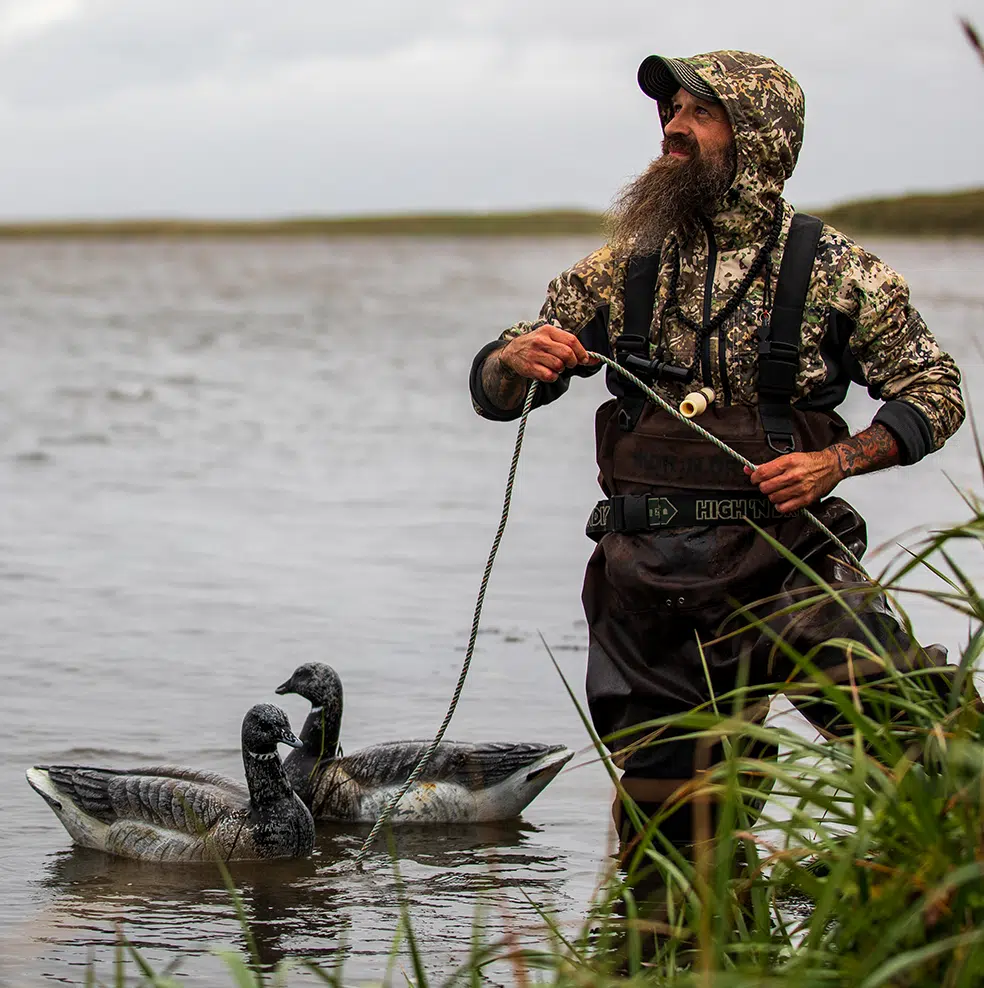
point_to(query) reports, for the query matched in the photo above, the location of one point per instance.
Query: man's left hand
(796, 480)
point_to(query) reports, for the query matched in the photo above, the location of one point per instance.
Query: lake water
(221, 459)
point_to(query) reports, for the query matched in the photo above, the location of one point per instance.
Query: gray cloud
(241, 107)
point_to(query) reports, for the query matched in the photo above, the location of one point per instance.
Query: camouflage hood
(858, 322)
(766, 108)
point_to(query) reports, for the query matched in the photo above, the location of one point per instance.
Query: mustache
(686, 143)
(669, 196)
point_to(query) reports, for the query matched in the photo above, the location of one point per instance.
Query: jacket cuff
(911, 430)
(482, 403)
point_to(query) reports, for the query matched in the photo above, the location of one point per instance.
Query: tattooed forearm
(503, 387)
(873, 449)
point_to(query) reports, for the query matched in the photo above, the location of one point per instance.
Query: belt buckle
(630, 512)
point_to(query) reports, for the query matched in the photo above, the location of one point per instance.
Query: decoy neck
(319, 684)
(264, 727)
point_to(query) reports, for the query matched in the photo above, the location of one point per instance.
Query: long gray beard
(668, 197)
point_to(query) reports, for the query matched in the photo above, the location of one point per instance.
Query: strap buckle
(778, 369)
(629, 411)
(788, 442)
(630, 513)
(779, 350)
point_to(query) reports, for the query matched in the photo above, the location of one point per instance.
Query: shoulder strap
(638, 301)
(779, 349)
(640, 294)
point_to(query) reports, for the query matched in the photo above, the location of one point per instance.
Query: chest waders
(675, 554)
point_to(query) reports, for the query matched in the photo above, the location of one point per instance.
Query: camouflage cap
(660, 77)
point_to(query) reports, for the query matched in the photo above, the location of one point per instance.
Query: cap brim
(660, 78)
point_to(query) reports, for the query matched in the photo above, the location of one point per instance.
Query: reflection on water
(221, 460)
(90, 890)
(294, 908)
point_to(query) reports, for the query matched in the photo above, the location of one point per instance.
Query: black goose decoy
(177, 814)
(462, 782)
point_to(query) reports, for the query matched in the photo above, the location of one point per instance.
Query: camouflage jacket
(858, 323)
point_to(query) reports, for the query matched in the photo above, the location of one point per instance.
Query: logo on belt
(661, 511)
(600, 515)
(734, 509)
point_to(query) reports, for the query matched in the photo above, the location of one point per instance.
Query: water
(220, 460)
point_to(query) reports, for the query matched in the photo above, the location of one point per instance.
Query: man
(696, 284)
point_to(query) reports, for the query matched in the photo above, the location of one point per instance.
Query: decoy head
(264, 727)
(318, 683)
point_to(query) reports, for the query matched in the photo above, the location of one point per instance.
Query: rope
(724, 447)
(426, 757)
(507, 499)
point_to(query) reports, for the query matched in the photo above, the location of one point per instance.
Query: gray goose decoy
(461, 783)
(178, 814)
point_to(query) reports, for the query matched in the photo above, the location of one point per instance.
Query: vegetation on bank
(557, 222)
(944, 214)
(864, 869)
(951, 214)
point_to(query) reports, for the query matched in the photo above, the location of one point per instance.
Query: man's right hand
(544, 353)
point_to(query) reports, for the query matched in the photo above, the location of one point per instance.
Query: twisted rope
(507, 499)
(426, 757)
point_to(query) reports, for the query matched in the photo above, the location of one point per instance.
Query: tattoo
(873, 449)
(503, 387)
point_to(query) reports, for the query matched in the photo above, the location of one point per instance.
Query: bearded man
(711, 279)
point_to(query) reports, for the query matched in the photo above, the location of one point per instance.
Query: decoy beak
(292, 740)
(283, 688)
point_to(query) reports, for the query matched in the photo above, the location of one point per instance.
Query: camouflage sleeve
(574, 296)
(574, 300)
(903, 364)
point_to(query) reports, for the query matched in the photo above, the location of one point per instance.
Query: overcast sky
(259, 108)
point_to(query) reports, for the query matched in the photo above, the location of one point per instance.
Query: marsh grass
(855, 862)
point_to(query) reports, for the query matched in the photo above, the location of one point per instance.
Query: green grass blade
(243, 975)
(902, 964)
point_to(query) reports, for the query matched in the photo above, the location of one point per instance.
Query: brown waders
(650, 595)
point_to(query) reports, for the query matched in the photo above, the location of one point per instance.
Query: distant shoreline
(947, 214)
(568, 222)
(951, 214)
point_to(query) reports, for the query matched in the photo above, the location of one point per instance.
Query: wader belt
(645, 512)
(779, 341)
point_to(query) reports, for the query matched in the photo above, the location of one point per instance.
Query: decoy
(178, 814)
(462, 782)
